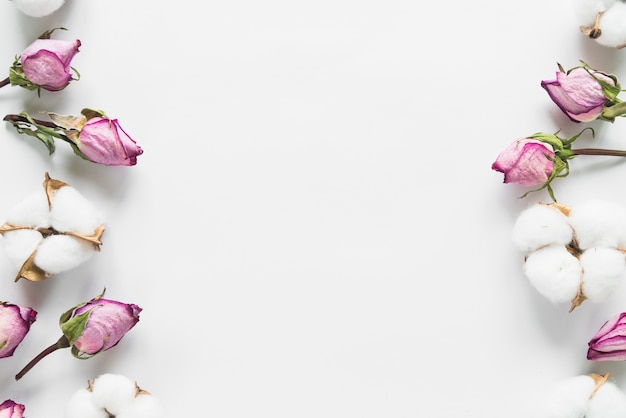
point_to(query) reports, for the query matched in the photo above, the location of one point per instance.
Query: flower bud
(10, 409)
(97, 325)
(90, 328)
(92, 135)
(527, 161)
(15, 322)
(46, 64)
(582, 93)
(38, 8)
(609, 343)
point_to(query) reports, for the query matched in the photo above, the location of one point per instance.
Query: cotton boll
(567, 399)
(71, 211)
(541, 225)
(113, 392)
(607, 402)
(59, 253)
(38, 8)
(81, 406)
(598, 224)
(613, 27)
(20, 244)
(144, 406)
(585, 11)
(31, 211)
(554, 272)
(603, 272)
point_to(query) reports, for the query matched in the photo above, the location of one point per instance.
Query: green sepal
(551, 139)
(75, 326)
(92, 113)
(611, 112)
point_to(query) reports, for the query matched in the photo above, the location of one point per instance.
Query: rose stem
(63, 342)
(598, 151)
(4, 82)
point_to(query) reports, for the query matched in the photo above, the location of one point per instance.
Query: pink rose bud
(92, 135)
(609, 343)
(10, 409)
(15, 323)
(527, 161)
(90, 328)
(585, 94)
(46, 64)
(103, 141)
(98, 325)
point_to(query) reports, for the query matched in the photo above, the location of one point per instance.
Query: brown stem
(63, 342)
(598, 151)
(5, 82)
(18, 118)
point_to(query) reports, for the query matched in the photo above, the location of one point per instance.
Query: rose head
(609, 343)
(10, 409)
(46, 63)
(103, 141)
(15, 323)
(527, 161)
(97, 325)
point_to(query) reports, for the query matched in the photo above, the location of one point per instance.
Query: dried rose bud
(585, 94)
(93, 136)
(52, 231)
(538, 159)
(113, 395)
(45, 64)
(10, 409)
(91, 328)
(38, 8)
(609, 343)
(98, 325)
(15, 322)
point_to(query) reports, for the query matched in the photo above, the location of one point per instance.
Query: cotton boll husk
(607, 402)
(71, 211)
(567, 399)
(541, 225)
(59, 253)
(144, 406)
(603, 272)
(585, 11)
(20, 244)
(81, 406)
(113, 392)
(598, 224)
(32, 211)
(613, 27)
(38, 8)
(554, 272)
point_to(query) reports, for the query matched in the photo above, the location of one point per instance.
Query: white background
(314, 229)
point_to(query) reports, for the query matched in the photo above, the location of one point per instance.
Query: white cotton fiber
(70, 211)
(80, 406)
(603, 272)
(144, 406)
(598, 224)
(20, 244)
(567, 399)
(585, 11)
(541, 225)
(607, 402)
(32, 211)
(59, 253)
(38, 8)
(113, 392)
(613, 26)
(554, 272)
